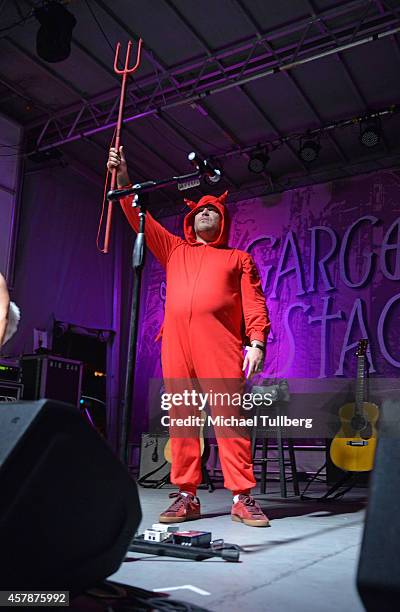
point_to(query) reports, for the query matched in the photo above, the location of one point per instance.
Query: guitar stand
(349, 478)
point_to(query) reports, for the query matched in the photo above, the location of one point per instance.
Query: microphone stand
(137, 264)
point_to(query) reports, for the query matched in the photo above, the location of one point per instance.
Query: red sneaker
(186, 507)
(247, 511)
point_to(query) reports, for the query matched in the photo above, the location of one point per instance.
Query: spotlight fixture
(370, 132)
(209, 169)
(258, 161)
(309, 150)
(53, 40)
(213, 179)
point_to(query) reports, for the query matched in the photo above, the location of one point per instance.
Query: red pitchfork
(125, 71)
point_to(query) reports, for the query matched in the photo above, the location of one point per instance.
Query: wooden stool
(277, 409)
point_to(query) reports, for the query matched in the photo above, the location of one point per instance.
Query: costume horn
(223, 197)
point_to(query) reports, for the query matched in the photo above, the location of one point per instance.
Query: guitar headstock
(362, 347)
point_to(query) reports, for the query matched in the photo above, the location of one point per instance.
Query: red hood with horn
(219, 203)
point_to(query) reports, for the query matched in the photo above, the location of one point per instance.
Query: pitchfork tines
(126, 69)
(125, 72)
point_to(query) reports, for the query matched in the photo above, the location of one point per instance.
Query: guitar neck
(360, 384)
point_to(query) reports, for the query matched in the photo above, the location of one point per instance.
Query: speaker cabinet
(51, 377)
(68, 507)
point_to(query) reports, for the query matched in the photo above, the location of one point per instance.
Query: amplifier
(153, 465)
(47, 376)
(10, 391)
(10, 371)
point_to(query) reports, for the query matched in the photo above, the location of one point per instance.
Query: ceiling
(218, 77)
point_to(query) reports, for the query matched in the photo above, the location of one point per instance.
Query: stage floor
(305, 561)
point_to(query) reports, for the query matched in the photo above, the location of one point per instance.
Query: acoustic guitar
(353, 447)
(167, 447)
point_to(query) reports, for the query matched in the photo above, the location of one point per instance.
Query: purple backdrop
(328, 256)
(329, 259)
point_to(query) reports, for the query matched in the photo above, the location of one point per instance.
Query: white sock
(236, 499)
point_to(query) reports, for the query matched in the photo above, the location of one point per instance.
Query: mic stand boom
(147, 186)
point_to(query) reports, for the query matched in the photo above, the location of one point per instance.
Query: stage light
(309, 150)
(53, 40)
(370, 132)
(258, 161)
(209, 169)
(213, 179)
(215, 174)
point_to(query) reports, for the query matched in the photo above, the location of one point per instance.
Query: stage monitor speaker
(68, 508)
(378, 578)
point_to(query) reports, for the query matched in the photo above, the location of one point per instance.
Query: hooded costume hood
(219, 203)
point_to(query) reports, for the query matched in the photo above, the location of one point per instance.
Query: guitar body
(167, 448)
(353, 450)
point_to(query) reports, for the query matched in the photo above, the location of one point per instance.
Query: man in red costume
(214, 300)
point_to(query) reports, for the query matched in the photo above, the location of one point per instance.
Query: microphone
(205, 167)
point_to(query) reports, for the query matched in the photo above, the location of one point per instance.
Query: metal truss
(326, 129)
(193, 82)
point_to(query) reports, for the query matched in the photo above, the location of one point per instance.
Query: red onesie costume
(214, 300)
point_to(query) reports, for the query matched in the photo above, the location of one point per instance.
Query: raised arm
(4, 306)
(159, 240)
